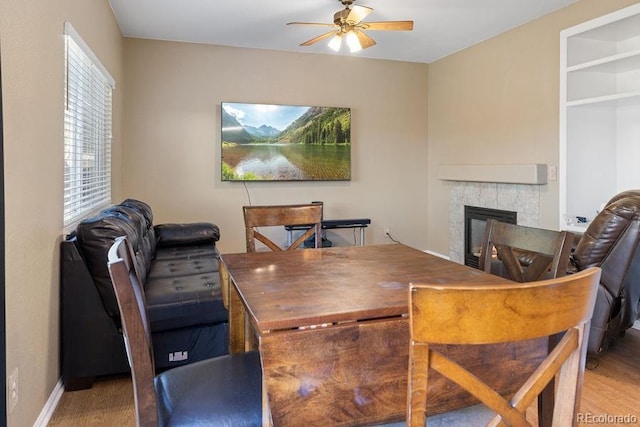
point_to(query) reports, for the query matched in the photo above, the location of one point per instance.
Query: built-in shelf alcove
(599, 114)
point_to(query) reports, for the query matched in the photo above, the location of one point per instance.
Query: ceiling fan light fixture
(336, 42)
(353, 42)
(348, 25)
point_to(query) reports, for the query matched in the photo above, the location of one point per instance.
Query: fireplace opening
(475, 222)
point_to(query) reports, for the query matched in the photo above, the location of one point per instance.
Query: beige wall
(32, 48)
(172, 128)
(498, 102)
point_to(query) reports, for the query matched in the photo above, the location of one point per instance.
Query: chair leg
(569, 385)
(547, 397)
(418, 382)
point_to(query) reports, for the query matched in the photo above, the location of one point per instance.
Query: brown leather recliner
(612, 242)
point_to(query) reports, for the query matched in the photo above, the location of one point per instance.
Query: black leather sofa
(612, 242)
(178, 265)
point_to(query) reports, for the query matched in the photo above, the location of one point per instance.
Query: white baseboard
(50, 407)
(437, 254)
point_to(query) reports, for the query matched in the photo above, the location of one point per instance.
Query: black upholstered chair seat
(184, 399)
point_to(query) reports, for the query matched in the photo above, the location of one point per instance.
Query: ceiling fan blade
(319, 38)
(388, 25)
(357, 14)
(312, 23)
(365, 40)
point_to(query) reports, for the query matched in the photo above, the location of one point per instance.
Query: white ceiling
(441, 27)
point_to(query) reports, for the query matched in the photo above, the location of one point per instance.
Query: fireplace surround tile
(507, 196)
(521, 198)
(488, 195)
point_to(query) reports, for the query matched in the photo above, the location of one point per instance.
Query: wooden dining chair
(222, 391)
(467, 315)
(281, 215)
(526, 253)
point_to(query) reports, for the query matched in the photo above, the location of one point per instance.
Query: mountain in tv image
(315, 125)
(263, 131)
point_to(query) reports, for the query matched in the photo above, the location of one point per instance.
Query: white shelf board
(619, 63)
(616, 99)
(524, 173)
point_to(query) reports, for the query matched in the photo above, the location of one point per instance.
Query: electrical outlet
(553, 173)
(12, 392)
(387, 231)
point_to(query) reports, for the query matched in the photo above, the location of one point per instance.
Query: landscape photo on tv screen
(263, 142)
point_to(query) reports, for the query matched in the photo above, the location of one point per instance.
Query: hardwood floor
(611, 389)
(108, 403)
(612, 382)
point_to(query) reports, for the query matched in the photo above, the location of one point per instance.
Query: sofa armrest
(186, 234)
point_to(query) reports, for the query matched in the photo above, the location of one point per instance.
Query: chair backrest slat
(135, 326)
(504, 312)
(547, 251)
(468, 314)
(281, 215)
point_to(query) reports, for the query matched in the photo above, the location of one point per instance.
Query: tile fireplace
(524, 199)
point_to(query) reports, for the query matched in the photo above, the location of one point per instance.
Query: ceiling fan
(348, 25)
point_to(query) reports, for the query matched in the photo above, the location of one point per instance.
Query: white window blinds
(87, 130)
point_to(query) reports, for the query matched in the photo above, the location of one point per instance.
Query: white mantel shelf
(522, 173)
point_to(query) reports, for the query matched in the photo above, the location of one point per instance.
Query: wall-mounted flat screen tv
(285, 143)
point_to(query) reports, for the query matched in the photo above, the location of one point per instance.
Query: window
(87, 130)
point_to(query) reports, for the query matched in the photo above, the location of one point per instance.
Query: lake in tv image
(285, 143)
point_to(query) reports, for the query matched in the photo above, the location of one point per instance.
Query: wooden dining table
(332, 328)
